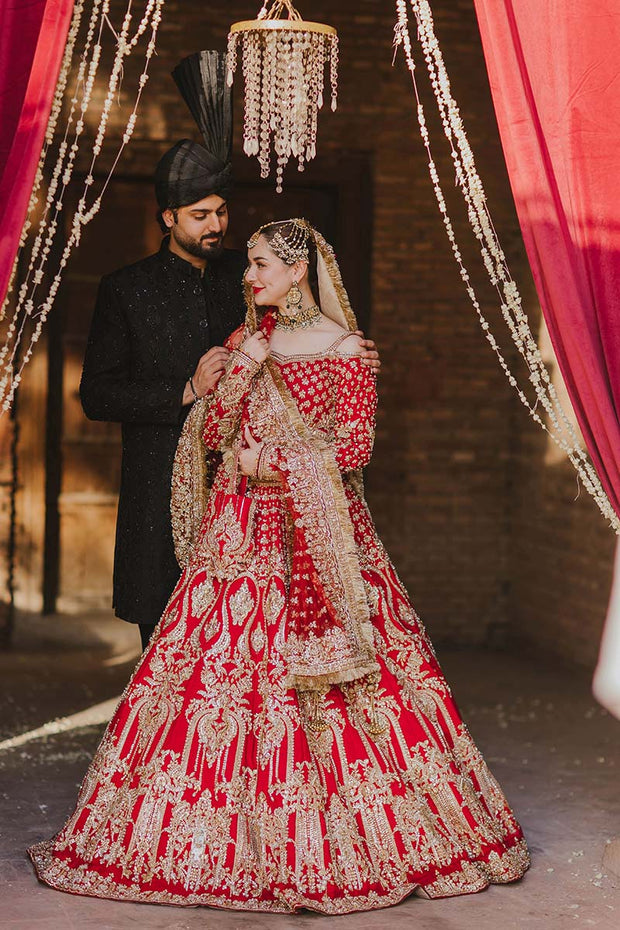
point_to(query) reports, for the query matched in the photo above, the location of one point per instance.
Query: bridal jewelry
(301, 320)
(294, 298)
(291, 247)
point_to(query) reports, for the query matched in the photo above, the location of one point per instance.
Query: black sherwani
(152, 322)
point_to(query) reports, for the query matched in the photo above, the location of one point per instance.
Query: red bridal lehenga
(288, 739)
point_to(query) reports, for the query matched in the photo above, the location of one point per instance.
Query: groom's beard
(209, 246)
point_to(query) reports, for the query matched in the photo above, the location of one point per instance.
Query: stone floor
(556, 754)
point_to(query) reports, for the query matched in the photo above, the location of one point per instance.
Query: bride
(288, 739)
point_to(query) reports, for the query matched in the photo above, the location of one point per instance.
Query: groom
(156, 341)
(155, 344)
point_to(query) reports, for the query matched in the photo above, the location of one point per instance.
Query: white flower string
(43, 241)
(26, 310)
(561, 429)
(55, 111)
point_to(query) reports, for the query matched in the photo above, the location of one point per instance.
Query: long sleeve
(224, 416)
(108, 389)
(354, 422)
(355, 414)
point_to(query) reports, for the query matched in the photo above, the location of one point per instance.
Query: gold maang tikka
(292, 247)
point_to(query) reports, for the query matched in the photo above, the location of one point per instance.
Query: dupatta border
(343, 572)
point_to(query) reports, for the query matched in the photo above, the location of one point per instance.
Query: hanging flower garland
(30, 306)
(560, 428)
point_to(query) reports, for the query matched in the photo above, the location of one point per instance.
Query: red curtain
(33, 34)
(554, 70)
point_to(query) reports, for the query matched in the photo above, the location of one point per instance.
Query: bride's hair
(286, 230)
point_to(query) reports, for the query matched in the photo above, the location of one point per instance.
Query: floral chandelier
(283, 62)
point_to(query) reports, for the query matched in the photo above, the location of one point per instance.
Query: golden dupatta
(342, 650)
(192, 476)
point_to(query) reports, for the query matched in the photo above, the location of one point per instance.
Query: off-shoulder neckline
(324, 353)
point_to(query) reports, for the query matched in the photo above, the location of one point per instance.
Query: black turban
(189, 171)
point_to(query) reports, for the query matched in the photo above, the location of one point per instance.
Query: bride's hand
(248, 457)
(256, 346)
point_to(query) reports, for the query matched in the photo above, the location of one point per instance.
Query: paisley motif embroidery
(216, 784)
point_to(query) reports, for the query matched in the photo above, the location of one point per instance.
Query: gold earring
(294, 297)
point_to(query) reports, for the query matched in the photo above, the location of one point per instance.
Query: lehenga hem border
(369, 902)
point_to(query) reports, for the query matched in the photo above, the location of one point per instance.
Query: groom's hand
(208, 372)
(210, 369)
(369, 356)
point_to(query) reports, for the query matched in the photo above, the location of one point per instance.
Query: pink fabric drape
(33, 34)
(554, 70)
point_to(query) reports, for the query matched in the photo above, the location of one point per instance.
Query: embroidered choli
(335, 394)
(332, 398)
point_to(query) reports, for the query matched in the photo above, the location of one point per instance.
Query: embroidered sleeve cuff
(267, 465)
(245, 361)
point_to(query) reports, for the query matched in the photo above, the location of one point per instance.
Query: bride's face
(270, 278)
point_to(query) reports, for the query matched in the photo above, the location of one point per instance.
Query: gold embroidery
(202, 597)
(345, 652)
(274, 603)
(228, 542)
(192, 476)
(241, 602)
(216, 784)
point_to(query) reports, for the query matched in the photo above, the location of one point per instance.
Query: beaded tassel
(283, 66)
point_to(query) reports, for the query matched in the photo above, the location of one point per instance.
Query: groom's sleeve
(109, 389)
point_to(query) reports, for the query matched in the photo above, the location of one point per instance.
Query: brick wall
(486, 537)
(561, 554)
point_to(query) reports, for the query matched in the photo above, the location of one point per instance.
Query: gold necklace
(300, 320)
